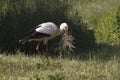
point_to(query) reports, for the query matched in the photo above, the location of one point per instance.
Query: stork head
(64, 28)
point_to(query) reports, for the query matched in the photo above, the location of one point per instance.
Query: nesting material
(67, 43)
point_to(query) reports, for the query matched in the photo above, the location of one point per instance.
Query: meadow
(94, 24)
(100, 65)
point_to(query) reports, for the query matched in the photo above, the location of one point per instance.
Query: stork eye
(65, 27)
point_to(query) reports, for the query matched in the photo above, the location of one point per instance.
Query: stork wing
(46, 28)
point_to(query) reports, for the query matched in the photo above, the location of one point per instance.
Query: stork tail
(25, 38)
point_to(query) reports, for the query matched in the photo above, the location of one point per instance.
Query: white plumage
(47, 28)
(64, 26)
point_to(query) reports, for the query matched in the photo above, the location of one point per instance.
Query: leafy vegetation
(87, 18)
(109, 31)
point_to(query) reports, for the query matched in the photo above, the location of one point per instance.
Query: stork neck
(59, 32)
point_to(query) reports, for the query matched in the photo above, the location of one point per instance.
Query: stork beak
(66, 32)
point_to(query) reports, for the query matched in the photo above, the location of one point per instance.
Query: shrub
(108, 31)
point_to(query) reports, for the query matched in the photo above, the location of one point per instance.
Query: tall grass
(84, 17)
(92, 11)
(100, 65)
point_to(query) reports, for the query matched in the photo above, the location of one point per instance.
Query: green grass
(94, 67)
(93, 11)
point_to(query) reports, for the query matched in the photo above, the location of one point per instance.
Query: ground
(37, 67)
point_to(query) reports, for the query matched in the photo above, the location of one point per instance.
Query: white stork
(44, 32)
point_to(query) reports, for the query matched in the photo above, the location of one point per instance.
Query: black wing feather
(33, 34)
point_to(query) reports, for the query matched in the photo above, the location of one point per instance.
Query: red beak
(66, 32)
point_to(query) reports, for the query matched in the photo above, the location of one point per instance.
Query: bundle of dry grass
(63, 45)
(66, 43)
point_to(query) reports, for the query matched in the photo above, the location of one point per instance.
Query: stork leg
(46, 48)
(37, 47)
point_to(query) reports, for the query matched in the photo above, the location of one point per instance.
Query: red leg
(47, 48)
(37, 47)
